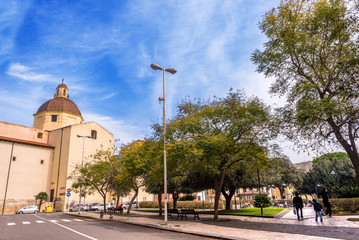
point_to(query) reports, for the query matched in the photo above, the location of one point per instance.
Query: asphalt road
(65, 227)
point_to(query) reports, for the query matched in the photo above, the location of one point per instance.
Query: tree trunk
(218, 183)
(132, 199)
(228, 197)
(104, 203)
(281, 191)
(160, 203)
(175, 198)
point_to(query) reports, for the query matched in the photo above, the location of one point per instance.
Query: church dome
(60, 104)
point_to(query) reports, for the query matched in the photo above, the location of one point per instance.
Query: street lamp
(82, 164)
(316, 189)
(172, 71)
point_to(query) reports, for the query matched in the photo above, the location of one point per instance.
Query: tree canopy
(312, 52)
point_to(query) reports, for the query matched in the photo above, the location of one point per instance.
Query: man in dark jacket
(298, 204)
(326, 202)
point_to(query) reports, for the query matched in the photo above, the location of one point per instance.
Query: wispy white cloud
(28, 74)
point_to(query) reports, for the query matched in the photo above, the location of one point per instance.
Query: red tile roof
(60, 104)
(26, 142)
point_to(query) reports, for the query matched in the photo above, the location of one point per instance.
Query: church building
(41, 158)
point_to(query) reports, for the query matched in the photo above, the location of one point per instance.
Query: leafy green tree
(98, 174)
(312, 52)
(220, 134)
(265, 200)
(281, 174)
(42, 196)
(329, 171)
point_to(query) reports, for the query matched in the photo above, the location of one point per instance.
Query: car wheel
(81, 209)
(20, 212)
(36, 211)
(70, 210)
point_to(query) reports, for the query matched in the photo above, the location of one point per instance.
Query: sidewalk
(240, 227)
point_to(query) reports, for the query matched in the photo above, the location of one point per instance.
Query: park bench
(184, 213)
(174, 211)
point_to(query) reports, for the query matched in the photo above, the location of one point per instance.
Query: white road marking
(78, 220)
(66, 220)
(53, 221)
(58, 224)
(40, 221)
(11, 224)
(25, 222)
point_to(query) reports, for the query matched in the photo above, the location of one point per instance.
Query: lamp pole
(336, 176)
(82, 164)
(172, 71)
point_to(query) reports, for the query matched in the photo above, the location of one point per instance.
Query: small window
(94, 134)
(14, 159)
(64, 93)
(39, 135)
(53, 118)
(42, 161)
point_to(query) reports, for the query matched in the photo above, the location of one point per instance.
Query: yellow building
(41, 158)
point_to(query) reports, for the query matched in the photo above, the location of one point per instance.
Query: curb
(157, 227)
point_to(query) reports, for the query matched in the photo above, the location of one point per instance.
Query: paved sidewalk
(240, 227)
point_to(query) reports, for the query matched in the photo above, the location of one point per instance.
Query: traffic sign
(69, 190)
(68, 194)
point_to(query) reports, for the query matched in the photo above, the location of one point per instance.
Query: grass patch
(268, 212)
(353, 219)
(216, 220)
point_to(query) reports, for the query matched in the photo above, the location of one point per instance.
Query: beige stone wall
(43, 120)
(71, 154)
(22, 132)
(28, 175)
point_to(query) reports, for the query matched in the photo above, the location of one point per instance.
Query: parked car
(28, 209)
(82, 207)
(92, 205)
(101, 208)
(127, 204)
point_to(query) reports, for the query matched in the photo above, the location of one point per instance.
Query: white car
(127, 205)
(28, 209)
(101, 208)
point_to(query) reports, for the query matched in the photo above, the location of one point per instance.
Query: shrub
(182, 204)
(348, 192)
(265, 200)
(187, 197)
(347, 205)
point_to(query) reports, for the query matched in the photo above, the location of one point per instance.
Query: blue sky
(103, 50)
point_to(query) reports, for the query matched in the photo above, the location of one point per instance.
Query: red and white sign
(69, 190)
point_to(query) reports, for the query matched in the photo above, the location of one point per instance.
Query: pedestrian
(318, 210)
(120, 208)
(326, 202)
(298, 205)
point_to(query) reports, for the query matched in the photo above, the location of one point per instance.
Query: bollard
(101, 214)
(111, 216)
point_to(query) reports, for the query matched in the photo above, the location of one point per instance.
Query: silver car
(127, 205)
(82, 207)
(28, 209)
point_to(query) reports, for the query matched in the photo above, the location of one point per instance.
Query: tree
(220, 134)
(330, 171)
(312, 51)
(42, 196)
(98, 174)
(282, 173)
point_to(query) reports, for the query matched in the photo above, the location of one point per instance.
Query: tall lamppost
(82, 164)
(336, 176)
(172, 71)
(316, 189)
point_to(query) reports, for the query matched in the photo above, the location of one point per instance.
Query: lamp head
(156, 67)
(171, 70)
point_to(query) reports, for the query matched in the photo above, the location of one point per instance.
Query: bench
(184, 213)
(173, 211)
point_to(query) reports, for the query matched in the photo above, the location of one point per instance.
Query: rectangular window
(14, 159)
(53, 118)
(94, 134)
(39, 135)
(42, 161)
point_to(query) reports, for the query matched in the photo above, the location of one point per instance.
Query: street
(61, 226)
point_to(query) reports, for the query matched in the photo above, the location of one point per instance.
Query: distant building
(41, 158)
(305, 166)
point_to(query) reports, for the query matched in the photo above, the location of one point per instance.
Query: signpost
(68, 194)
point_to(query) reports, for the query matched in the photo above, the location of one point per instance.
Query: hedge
(182, 204)
(345, 205)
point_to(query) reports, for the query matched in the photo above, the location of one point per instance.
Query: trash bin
(49, 208)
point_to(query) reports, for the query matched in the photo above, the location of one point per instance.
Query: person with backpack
(318, 210)
(298, 205)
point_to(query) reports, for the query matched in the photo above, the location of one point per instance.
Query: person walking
(318, 210)
(326, 202)
(298, 204)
